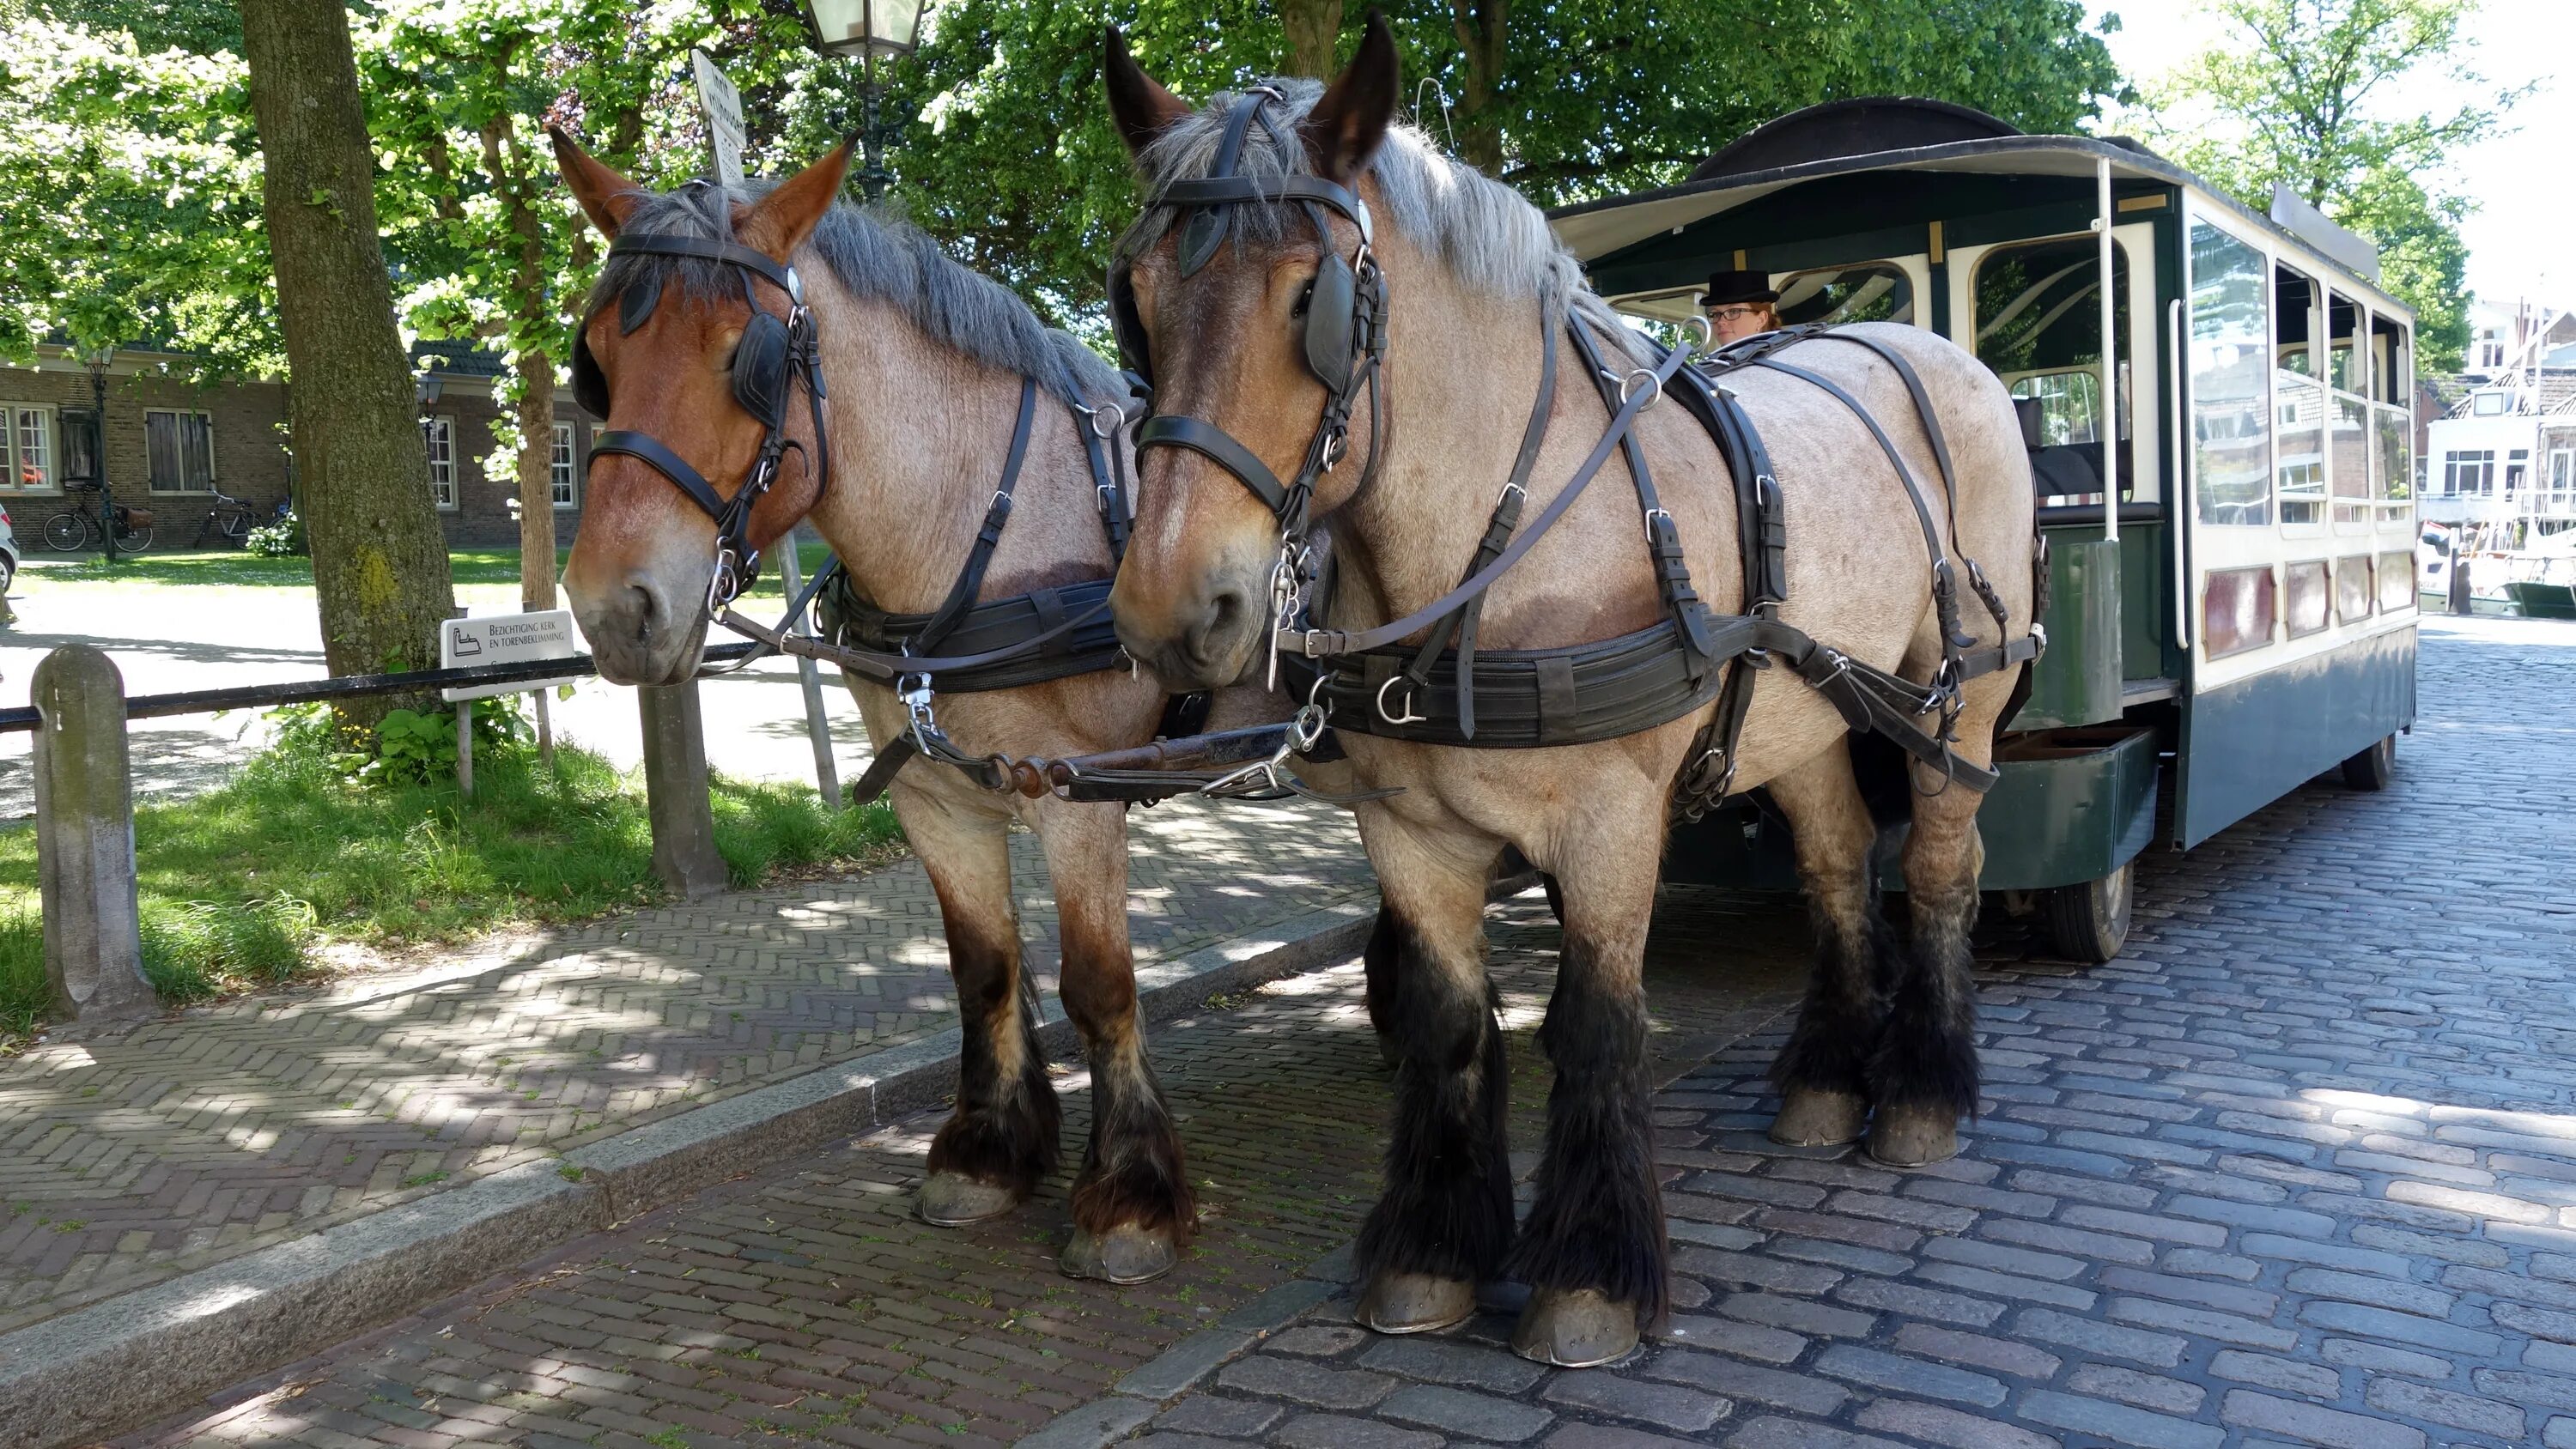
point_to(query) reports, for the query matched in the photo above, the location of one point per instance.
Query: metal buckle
(1408, 717)
(1651, 515)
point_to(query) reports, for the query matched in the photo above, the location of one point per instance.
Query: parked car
(8, 553)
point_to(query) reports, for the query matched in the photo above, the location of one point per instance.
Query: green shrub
(282, 539)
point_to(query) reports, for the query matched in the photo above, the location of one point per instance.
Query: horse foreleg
(1924, 1076)
(1000, 1140)
(1132, 1209)
(1823, 1072)
(1593, 1249)
(1445, 1219)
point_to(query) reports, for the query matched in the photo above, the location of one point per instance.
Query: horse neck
(920, 435)
(1462, 369)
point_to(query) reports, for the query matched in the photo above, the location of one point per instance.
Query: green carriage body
(2239, 615)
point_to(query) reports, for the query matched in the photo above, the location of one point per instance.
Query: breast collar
(1343, 343)
(773, 355)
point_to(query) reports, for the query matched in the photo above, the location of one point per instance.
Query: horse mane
(1488, 235)
(891, 261)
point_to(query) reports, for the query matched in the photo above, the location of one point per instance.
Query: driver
(1740, 304)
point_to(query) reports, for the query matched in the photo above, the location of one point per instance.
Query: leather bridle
(773, 356)
(1343, 344)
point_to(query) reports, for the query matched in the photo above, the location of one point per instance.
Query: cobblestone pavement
(217, 1131)
(2300, 1168)
(809, 1306)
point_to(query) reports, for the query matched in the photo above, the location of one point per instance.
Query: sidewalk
(219, 1132)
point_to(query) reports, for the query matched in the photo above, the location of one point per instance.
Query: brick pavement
(2299, 1168)
(221, 1130)
(809, 1306)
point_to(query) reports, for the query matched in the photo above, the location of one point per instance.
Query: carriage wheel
(2373, 768)
(2088, 922)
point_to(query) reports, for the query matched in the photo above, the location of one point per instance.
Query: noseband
(1343, 343)
(773, 356)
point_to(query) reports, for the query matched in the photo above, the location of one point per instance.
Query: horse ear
(777, 224)
(1342, 132)
(607, 197)
(1137, 101)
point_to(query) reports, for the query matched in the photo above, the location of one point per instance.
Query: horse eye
(1305, 299)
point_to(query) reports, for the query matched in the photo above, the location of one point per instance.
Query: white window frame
(563, 468)
(214, 465)
(430, 427)
(11, 415)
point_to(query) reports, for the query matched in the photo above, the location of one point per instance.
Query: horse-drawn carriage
(2238, 614)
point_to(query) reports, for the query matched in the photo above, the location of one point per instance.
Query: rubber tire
(2089, 921)
(66, 532)
(8, 573)
(135, 541)
(2373, 768)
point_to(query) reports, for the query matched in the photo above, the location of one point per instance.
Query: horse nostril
(1223, 615)
(646, 610)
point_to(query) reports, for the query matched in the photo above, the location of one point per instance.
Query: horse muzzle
(642, 631)
(1206, 637)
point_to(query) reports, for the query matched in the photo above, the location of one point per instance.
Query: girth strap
(988, 537)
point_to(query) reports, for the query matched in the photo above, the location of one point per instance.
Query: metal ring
(1409, 717)
(1630, 381)
(1104, 431)
(1706, 332)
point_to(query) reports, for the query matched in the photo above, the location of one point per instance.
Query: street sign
(505, 639)
(723, 107)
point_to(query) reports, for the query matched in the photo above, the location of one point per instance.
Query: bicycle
(76, 527)
(229, 520)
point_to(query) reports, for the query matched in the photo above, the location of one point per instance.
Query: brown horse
(1231, 314)
(925, 363)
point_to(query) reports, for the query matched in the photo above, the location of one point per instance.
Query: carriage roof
(1852, 138)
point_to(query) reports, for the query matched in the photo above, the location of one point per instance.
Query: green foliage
(129, 185)
(407, 747)
(197, 949)
(2285, 95)
(282, 539)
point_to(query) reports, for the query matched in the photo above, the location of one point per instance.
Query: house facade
(171, 444)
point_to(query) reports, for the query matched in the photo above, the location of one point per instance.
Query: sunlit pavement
(2300, 1168)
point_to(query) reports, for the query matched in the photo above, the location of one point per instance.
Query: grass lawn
(239, 884)
(469, 567)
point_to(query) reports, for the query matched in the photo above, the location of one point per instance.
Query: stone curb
(142, 1355)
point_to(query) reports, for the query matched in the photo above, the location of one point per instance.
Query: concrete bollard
(85, 841)
(675, 791)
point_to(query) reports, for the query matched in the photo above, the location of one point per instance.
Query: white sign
(505, 639)
(723, 107)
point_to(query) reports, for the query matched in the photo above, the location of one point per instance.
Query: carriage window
(2298, 398)
(2230, 417)
(2346, 363)
(2039, 326)
(1874, 293)
(2395, 373)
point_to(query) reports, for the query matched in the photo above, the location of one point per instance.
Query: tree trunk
(1480, 26)
(379, 562)
(536, 481)
(1314, 31)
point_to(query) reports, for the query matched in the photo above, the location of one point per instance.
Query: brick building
(171, 443)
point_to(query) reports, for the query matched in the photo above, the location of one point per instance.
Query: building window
(180, 448)
(27, 449)
(440, 434)
(2516, 464)
(2468, 474)
(563, 466)
(2562, 472)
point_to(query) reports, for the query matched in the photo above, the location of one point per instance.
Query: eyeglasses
(1735, 314)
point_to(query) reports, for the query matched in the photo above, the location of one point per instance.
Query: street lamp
(96, 358)
(868, 29)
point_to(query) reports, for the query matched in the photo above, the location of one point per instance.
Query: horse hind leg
(1444, 1221)
(1823, 1071)
(1000, 1140)
(1133, 1211)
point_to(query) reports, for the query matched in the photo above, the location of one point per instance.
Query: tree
(379, 563)
(129, 195)
(1571, 100)
(2297, 92)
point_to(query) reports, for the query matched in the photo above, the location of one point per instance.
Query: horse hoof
(1415, 1303)
(954, 1200)
(1575, 1328)
(1816, 1117)
(1128, 1253)
(1915, 1135)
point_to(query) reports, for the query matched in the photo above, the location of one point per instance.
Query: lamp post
(868, 29)
(96, 357)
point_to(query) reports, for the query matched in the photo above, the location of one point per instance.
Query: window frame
(214, 464)
(11, 414)
(429, 422)
(563, 467)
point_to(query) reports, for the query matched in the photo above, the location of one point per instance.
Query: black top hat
(1725, 288)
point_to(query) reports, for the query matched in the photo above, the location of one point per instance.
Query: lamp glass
(850, 27)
